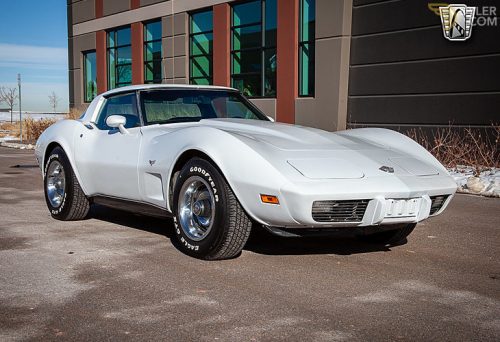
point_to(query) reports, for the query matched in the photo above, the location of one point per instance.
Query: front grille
(437, 203)
(339, 211)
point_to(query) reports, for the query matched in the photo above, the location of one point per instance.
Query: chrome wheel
(56, 183)
(196, 208)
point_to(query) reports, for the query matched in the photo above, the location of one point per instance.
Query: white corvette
(213, 161)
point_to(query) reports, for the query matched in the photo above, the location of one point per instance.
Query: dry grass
(469, 146)
(75, 113)
(34, 128)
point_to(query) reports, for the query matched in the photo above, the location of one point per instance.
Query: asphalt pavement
(117, 276)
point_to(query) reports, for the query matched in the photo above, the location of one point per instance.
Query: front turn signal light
(269, 199)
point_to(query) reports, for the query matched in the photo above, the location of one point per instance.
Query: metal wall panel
(404, 72)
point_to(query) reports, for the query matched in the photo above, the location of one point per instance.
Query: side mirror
(270, 118)
(117, 121)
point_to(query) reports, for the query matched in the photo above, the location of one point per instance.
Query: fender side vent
(437, 203)
(339, 211)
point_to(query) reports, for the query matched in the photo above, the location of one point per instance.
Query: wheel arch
(179, 163)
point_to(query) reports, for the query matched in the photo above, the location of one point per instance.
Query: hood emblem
(152, 162)
(386, 169)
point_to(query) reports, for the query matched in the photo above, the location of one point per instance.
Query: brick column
(134, 4)
(101, 61)
(137, 53)
(287, 59)
(99, 9)
(222, 46)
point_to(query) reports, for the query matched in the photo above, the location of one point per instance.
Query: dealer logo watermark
(457, 19)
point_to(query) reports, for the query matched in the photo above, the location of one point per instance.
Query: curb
(17, 145)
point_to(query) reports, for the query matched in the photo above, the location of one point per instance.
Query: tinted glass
(152, 51)
(247, 61)
(201, 81)
(90, 76)
(307, 15)
(123, 36)
(169, 106)
(123, 75)
(307, 69)
(125, 105)
(271, 23)
(202, 44)
(124, 55)
(152, 31)
(152, 72)
(247, 37)
(201, 22)
(249, 85)
(201, 48)
(306, 47)
(270, 73)
(201, 66)
(247, 13)
(253, 47)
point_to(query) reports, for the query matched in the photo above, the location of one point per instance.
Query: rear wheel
(63, 194)
(209, 221)
(390, 237)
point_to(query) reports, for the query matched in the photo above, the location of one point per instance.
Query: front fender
(247, 172)
(61, 133)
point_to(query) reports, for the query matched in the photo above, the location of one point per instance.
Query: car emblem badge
(386, 169)
(152, 162)
(457, 21)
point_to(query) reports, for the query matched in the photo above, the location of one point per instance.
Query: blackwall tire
(209, 221)
(391, 237)
(63, 194)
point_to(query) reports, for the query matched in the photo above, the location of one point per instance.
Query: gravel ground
(117, 276)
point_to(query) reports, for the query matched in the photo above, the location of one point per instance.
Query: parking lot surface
(117, 276)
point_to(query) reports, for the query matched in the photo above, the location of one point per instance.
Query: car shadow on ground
(263, 242)
(260, 241)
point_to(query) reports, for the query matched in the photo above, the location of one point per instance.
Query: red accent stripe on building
(137, 53)
(102, 79)
(99, 9)
(287, 60)
(221, 55)
(135, 4)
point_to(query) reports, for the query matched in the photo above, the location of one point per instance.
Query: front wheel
(209, 221)
(391, 237)
(63, 194)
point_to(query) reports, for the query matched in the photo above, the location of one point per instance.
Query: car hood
(288, 137)
(318, 154)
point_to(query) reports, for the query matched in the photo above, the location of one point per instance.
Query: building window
(201, 48)
(119, 58)
(306, 47)
(253, 48)
(89, 76)
(152, 52)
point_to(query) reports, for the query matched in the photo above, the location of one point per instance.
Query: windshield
(187, 105)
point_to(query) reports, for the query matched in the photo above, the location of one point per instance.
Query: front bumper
(296, 200)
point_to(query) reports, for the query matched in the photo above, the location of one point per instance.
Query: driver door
(106, 158)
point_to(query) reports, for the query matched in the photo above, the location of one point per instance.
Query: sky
(34, 43)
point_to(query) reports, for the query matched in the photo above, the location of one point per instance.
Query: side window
(124, 105)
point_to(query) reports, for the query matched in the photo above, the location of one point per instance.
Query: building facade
(319, 63)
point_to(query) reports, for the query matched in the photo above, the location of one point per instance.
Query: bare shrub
(75, 113)
(470, 146)
(32, 129)
(11, 128)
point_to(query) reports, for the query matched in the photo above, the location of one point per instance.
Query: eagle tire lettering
(200, 170)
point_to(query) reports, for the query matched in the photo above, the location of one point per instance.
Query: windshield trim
(255, 110)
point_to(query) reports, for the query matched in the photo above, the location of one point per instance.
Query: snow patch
(487, 184)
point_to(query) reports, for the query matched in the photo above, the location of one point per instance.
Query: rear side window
(124, 105)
